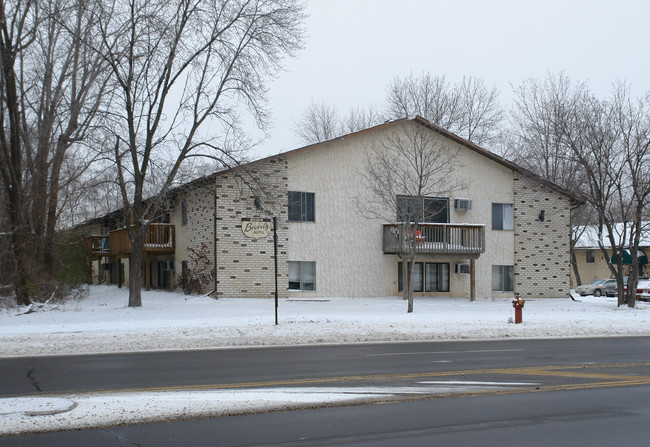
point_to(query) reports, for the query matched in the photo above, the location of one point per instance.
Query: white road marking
(462, 382)
(387, 354)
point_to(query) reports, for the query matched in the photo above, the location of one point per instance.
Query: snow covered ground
(102, 322)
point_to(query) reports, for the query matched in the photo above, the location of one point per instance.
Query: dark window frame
(429, 209)
(301, 206)
(301, 284)
(422, 285)
(590, 256)
(506, 275)
(183, 212)
(499, 216)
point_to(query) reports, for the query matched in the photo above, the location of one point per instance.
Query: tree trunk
(405, 275)
(410, 285)
(576, 272)
(52, 208)
(632, 279)
(135, 267)
(21, 280)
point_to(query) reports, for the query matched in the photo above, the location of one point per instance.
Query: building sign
(255, 227)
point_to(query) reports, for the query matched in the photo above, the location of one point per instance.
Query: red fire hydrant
(518, 304)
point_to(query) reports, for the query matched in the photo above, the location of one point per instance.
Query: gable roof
(576, 199)
(209, 178)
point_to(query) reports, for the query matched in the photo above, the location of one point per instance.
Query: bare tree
(598, 147)
(18, 22)
(411, 164)
(359, 118)
(62, 88)
(317, 122)
(320, 122)
(469, 109)
(632, 121)
(431, 97)
(539, 110)
(183, 71)
(52, 89)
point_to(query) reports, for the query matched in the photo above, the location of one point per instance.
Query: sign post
(259, 228)
(275, 258)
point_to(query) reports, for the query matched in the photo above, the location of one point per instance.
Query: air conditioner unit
(461, 268)
(463, 204)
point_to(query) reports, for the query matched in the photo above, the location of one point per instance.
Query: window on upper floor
(183, 212)
(503, 278)
(302, 275)
(591, 256)
(301, 206)
(422, 209)
(503, 216)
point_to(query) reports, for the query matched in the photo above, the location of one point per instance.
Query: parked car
(642, 289)
(596, 288)
(610, 287)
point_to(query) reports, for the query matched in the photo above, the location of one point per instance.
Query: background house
(592, 263)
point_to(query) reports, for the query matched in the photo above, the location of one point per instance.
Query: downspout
(214, 235)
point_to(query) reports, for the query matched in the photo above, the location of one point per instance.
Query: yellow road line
(547, 370)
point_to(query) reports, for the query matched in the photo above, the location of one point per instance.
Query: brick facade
(199, 228)
(245, 266)
(542, 259)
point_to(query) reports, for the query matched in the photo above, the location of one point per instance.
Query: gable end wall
(542, 260)
(245, 266)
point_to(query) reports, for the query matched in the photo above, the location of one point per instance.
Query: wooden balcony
(160, 238)
(99, 245)
(437, 240)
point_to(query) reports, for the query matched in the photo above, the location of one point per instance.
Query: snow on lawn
(102, 322)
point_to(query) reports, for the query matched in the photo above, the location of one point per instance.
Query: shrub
(198, 273)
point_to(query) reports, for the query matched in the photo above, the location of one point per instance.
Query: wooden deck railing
(99, 245)
(159, 238)
(435, 239)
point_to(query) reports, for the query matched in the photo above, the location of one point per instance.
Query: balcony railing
(435, 239)
(159, 238)
(99, 245)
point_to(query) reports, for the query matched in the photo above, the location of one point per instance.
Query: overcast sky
(354, 48)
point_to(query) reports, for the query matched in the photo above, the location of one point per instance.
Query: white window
(302, 275)
(503, 278)
(503, 216)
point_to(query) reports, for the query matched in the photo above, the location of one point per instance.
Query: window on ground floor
(428, 277)
(302, 275)
(503, 278)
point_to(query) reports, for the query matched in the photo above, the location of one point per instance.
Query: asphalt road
(68, 374)
(569, 392)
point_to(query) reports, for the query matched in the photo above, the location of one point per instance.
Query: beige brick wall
(245, 266)
(199, 228)
(542, 262)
